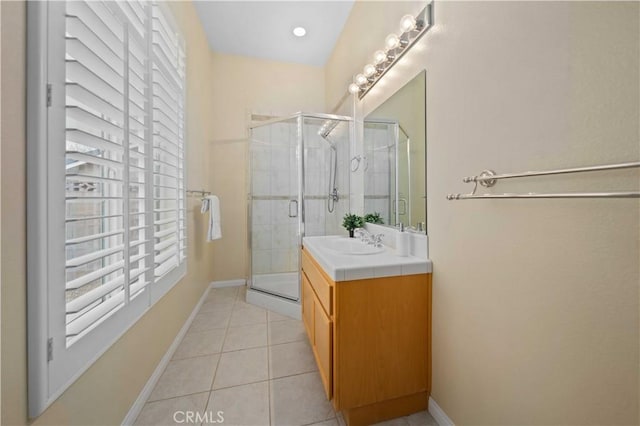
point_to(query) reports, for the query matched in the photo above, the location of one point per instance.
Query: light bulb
(361, 80)
(369, 70)
(392, 41)
(379, 57)
(354, 88)
(299, 31)
(407, 23)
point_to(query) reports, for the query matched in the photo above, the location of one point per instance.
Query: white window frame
(52, 366)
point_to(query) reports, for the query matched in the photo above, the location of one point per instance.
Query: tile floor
(254, 365)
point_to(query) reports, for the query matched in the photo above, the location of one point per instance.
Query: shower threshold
(277, 292)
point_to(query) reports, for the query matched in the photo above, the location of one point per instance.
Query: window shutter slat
(77, 72)
(91, 318)
(91, 257)
(80, 303)
(97, 274)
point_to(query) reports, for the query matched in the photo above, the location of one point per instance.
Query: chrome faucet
(368, 238)
(377, 240)
(362, 234)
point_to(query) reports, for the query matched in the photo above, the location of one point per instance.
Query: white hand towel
(213, 205)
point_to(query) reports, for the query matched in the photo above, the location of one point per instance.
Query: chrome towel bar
(559, 195)
(489, 178)
(202, 192)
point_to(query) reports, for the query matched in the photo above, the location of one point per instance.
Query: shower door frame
(299, 117)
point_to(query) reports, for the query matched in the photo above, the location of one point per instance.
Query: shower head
(327, 128)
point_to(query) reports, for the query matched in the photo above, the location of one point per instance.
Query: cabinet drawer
(319, 283)
(307, 307)
(323, 347)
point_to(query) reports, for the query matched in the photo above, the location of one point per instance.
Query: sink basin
(352, 246)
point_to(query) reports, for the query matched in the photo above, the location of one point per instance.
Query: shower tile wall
(379, 174)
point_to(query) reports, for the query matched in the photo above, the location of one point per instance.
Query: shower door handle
(295, 210)
(402, 206)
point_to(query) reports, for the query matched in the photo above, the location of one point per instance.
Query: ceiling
(263, 29)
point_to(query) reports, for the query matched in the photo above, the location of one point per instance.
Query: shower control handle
(295, 210)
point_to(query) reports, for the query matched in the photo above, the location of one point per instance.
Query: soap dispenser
(402, 241)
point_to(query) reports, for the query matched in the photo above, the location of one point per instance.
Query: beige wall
(242, 86)
(105, 392)
(535, 308)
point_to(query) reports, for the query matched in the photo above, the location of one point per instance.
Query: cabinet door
(307, 308)
(323, 347)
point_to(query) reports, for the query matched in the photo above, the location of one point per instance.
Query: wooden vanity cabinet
(372, 341)
(317, 321)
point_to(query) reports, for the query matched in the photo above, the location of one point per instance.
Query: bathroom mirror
(394, 146)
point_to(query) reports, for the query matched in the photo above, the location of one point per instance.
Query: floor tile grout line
(175, 397)
(269, 364)
(321, 421)
(240, 385)
(222, 351)
(224, 339)
(287, 343)
(294, 374)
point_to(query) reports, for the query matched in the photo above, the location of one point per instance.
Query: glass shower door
(275, 208)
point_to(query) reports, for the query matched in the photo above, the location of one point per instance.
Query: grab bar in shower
(489, 178)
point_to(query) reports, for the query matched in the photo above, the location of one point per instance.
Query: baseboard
(228, 283)
(438, 414)
(136, 408)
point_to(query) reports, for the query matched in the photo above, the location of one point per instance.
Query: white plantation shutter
(168, 143)
(110, 205)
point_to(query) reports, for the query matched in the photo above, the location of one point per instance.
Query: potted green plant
(352, 221)
(373, 218)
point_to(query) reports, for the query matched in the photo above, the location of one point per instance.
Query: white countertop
(344, 267)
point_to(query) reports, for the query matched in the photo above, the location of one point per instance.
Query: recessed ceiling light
(299, 32)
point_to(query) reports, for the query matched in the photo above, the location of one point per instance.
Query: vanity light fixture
(369, 70)
(361, 80)
(379, 57)
(412, 28)
(408, 23)
(354, 88)
(391, 42)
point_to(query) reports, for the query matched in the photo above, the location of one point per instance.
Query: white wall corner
(438, 414)
(138, 404)
(227, 283)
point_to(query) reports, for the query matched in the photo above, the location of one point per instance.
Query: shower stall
(298, 186)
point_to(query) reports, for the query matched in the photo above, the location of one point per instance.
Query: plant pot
(350, 233)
